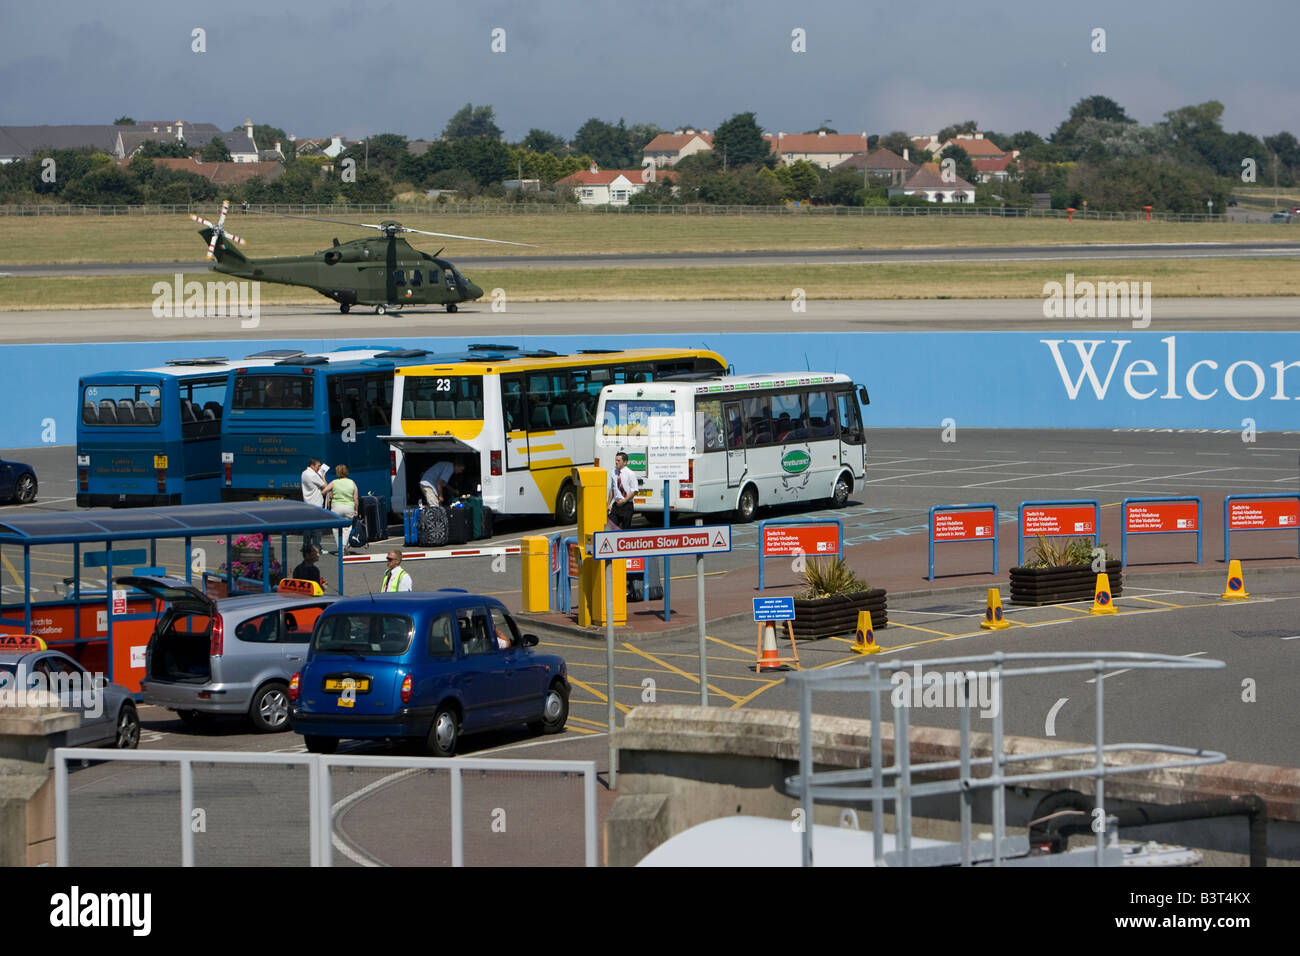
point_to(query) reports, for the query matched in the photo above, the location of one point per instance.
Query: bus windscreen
(276, 392)
(120, 404)
(443, 397)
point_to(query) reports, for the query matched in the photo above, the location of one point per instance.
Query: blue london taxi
(423, 666)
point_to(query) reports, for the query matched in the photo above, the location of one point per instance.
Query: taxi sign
(160, 461)
(300, 586)
(21, 642)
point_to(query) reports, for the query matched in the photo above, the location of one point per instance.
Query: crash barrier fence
(798, 538)
(975, 683)
(564, 570)
(321, 802)
(562, 209)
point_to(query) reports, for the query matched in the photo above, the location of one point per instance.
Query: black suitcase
(433, 526)
(372, 509)
(460, 525)
(487, 523)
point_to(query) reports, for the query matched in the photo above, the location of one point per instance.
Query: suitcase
(411, 526)
(460, 524)
(372, 508)
(487, 523)
(433, 527)
(474, 505)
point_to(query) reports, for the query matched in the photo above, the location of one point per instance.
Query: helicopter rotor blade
(341, 222)
(447, 235)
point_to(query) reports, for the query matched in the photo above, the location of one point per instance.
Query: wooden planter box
(1039, 586)
(837, 616)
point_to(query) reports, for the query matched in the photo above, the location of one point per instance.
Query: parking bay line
(603, 699)
(679, 671)
(660, 670)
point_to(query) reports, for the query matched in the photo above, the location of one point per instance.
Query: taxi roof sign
(21, 642)
(301, 586)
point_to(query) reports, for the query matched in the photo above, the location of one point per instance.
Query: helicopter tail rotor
(218, 230)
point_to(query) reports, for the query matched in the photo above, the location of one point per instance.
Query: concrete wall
(680, 766)
(980, 379)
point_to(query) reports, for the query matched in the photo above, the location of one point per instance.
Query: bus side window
(758, 421)
(819, 416)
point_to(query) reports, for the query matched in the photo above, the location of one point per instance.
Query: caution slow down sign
(707, 539)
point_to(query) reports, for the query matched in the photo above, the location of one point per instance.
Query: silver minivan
(225, 656)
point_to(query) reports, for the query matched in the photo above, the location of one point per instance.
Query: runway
(585, 318)
(783, 257)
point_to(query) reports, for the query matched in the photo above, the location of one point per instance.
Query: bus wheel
(840, 496)
(451, 306)
(380, 310)
(345, 308)
(747, 505)
(566, 504)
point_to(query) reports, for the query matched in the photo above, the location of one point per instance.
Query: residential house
(929, 182)
(19, 142)
(223, 174)
(667, 149)
(613, 187)
(331, 147)
(989, 159)
(821, 148)
(882, 164)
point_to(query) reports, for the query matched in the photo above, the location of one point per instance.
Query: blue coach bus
(281, 415)
(152, 436)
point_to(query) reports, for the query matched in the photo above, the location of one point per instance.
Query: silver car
(225, 656)
(108, 717)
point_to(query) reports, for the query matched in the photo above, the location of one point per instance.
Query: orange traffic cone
(1236, 589)
(768, 657)
(865, 639)
(1102, 602)
(993, 620)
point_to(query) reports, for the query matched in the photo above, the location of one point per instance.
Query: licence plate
(643, 495)
(270, 497)
(347, 701)
(339, 684)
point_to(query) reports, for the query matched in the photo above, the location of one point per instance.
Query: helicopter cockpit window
(399, 277)
(416, 278)
(451, 278)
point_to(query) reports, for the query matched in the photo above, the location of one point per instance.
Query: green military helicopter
(384, 272)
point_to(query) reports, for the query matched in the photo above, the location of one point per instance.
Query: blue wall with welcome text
(916, 379)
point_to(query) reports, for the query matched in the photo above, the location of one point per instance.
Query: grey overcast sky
(354, 67)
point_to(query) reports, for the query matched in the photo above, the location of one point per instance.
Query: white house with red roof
(821, 148)
(929, 182)
(611, 187)
(667, 149)
(990, 160)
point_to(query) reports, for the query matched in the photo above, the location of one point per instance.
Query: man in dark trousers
(622, 492)
(307, 571)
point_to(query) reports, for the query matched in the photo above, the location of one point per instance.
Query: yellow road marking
(679, 671)
(603, 699)
(748, 697)
(584, 731)
(584, 720)
(657, 670)
(734, 647)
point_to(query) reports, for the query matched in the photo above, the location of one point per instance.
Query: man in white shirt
(433, 483)
(622, 492)
(395, 578)
(313, 493)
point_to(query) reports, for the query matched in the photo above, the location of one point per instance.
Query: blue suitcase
(411, 526)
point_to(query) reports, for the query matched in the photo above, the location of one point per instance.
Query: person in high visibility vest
(396, 577)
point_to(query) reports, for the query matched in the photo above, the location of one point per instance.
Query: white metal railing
(320, 804)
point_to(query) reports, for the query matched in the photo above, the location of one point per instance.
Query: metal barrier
(869, 784)
(1237, 516)
(800, 542)
(1156, 520)
(321, 815)
(1053, 516)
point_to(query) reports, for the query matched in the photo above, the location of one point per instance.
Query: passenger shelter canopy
(179, 521)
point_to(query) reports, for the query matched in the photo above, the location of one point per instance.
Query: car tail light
(228, 467)
(162, 479)
(495, 458)
(686, 489)
(295, 686)
(392, 462)
(596, 463)
(217, 643)
(406, 689)
(83, 479)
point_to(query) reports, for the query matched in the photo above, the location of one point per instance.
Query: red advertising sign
(636, 564)
(575, 560)
(1059, 520)
(1159, 516)
(807, 539)
(1263, 514)
(963, 525)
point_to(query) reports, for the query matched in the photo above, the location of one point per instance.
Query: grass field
(1169, 278)
(78, 239)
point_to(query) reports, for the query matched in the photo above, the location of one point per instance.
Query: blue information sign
(774, 609)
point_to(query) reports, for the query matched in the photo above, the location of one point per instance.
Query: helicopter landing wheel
(380, 310)
(344, 308)
(451, 306)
